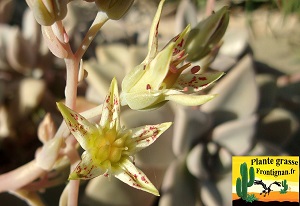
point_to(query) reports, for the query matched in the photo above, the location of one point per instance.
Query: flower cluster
(160, 77)
(109, 148)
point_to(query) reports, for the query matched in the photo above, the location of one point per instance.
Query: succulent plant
(256, 111)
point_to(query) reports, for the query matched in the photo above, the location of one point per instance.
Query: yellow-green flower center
(108, 150)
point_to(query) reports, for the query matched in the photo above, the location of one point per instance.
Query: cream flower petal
(196, 82)
(141, 100)
(153, 36)
(80, 127)
(189, 99)
(146, 135)
(86, 169)
(156, 71)
(111, 108)
(134, 177)
(133, 77)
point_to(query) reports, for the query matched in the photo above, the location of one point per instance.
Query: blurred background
(257, 110)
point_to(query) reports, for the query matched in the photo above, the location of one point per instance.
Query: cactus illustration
(285, 187)
(242, 183)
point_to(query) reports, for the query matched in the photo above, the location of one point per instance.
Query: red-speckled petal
(135, 178)
(196, 82)
(111, 107)
(81, 128)
(86, 169)
(180, 40)
(153, 36)
(146, 135)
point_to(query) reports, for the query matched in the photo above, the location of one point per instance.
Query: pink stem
(210, 5)
(74, 184)
(72, 66)
(20, 177)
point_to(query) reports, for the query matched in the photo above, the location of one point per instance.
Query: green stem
(99, 21)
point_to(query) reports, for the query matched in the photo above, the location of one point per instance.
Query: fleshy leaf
(86, 169)
(179, 183)
(111, 107)
(80, 127)
(135, 178)
(237, 135)
(146, 135)
(237, 91)
(197, 82)
(189, 99)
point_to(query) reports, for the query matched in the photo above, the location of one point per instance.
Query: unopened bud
(114, 9)
(207, 34)
(49, 153)
(46, 12)
(57, 47)
(46, 129)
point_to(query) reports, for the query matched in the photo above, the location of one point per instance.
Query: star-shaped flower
(160, 78)
(109, 148)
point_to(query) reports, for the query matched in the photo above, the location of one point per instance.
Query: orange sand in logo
(274, 196)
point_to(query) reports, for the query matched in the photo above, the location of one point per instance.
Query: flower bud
(114, 9)
(207, 34)
(46, 12)
(46, 129)
(49, 153)
(54, 44)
